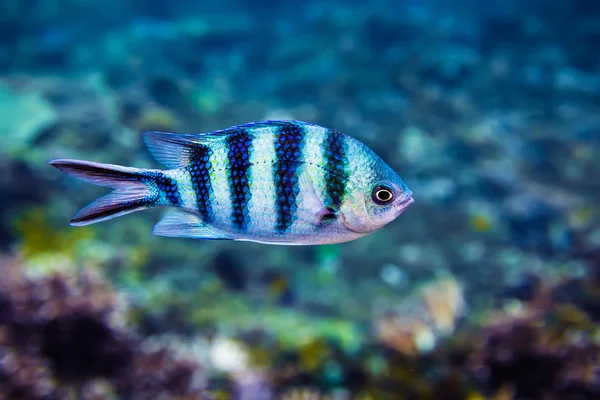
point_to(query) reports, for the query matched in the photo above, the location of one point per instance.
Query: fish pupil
(382, 195)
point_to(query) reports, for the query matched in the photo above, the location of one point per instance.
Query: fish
(281, 182)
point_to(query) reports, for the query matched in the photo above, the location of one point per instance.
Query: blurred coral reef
(63, 337)
(72, 336)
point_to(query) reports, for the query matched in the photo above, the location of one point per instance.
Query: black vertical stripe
(336, 175)
(239, 143)
(289, 142)
(168, 186)
(199, 169)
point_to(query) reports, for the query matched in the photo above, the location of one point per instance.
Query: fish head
(377, 196)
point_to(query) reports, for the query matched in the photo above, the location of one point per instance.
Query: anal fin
(187, 225)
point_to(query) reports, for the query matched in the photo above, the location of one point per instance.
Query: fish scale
(219, 176)
(288, 151)
(336, 176)
(239, 143)
(199, 171)
(168, 187)
(276, 182)
(261, 207)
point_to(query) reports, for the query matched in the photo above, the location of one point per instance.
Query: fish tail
(134, 189)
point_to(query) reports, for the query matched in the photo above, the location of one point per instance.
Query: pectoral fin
(313, 208)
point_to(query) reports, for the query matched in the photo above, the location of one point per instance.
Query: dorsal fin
(173, 150)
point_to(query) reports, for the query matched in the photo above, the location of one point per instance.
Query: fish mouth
(404, 204)
(399, 207)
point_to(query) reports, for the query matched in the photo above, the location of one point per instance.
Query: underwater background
(488, 287)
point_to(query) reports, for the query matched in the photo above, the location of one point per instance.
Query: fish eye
(383, 195)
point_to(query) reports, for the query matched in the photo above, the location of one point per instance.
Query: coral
(429, 313)
(60, 334)
(157, 374)
(521, 354)
(543, 350)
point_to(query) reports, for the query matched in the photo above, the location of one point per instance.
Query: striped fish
(275, 182)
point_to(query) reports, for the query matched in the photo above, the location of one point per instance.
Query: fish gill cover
(487, 287)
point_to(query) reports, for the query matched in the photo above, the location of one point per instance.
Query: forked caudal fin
(131, 193)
